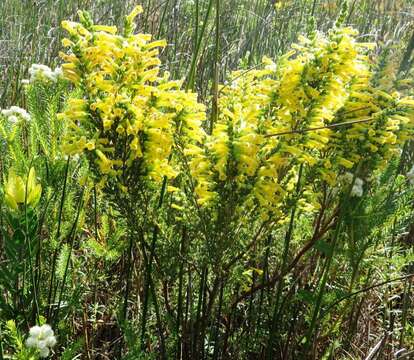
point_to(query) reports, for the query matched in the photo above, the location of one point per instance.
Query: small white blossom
(44, 352)
(58, 72)
(410, 176)
(13, 119)
(41, 338)
(42, 73)
(14, 113)
(358, 187)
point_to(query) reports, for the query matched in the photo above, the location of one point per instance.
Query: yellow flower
(18, 191)
(104, 163)
(14, 190)
(133, 115)
(346, 163)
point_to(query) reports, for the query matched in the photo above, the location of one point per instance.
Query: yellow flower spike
(70, 26)
(69, 58)
(73, 77)
(134, 13)
(158, 43)
(67, 43)
(129, 20)
(105, 28)
(104, 163)
(120, 129)
(136, 147)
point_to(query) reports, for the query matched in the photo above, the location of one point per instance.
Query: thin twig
(330, 126)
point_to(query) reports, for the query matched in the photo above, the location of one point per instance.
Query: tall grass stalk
(51, 293)
(286, 248)
(71, 241)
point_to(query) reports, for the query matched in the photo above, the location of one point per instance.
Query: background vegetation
(336, 284)
(248, 30)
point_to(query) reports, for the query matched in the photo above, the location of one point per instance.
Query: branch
(365, 290)
(330, 126)
(309, 245)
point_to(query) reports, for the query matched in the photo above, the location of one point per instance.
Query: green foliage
(15, 342)
(136, 277)
(72, 351)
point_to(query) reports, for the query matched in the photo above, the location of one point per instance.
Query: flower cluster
(303, 91)
(358, 184)
(316, 108)
(40, 72)
(293, 114)
(125, 116)
(41, 338)
(231, 152)
(379, 124)
(14, 113)
(22, 191)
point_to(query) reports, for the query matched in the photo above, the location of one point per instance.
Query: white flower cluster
(41, 338)
(358, 189)
(14, 113)
(410, 176)
(43, 72)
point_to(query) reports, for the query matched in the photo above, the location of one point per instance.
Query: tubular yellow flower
(125, 115)
(20, 191)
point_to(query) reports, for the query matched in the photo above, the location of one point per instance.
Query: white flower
(358, 187)
(35, 331)
(410, 176)
(43, 73)
(41, 338)
(58, 72)
(31, 342)
(13, 119)
(51, 341)
(14, 113)
(44, 352)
